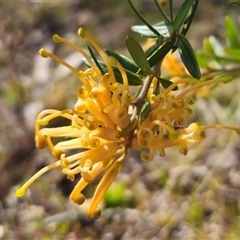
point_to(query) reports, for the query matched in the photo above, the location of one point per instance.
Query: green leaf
(161, 53)
(212, 56)
(232, 33)
(163, 28)
(166, 83)
(138, 55)
(213, 52)
(181, 15)
(216, 46)
(95, 59)
(202, 60)
(126, 63)
(233, 52)
(187, 25)
(151, 50)
(161, 11)
(188, 56)
(141, 17)
(207, 46)
(133, 79)
(145, 111)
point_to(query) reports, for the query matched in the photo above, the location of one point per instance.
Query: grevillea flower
(103, 125)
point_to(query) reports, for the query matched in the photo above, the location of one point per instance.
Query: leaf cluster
(219, 57)
(169, 35)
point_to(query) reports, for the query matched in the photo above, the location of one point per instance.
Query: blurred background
(176, 197)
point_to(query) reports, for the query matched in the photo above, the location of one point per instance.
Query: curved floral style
(102, 127)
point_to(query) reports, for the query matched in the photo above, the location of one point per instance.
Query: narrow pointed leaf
(188, 57)
(161, 11)
(138, 55)
(166, 83)
(95, 59)
(224, 60)
(207, 46)
(133, 79)
(163, 28)
(182, 14)
(202, 60)
(192, 12)
(142, 18)
(232, 33)
(145, 111)
(126, 63)
(151, 50)
(216, 46)
(161, 53)
(233, 52)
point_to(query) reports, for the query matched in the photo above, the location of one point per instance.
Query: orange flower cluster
(101, 127)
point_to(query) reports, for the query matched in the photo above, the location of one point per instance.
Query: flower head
(106, 121)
